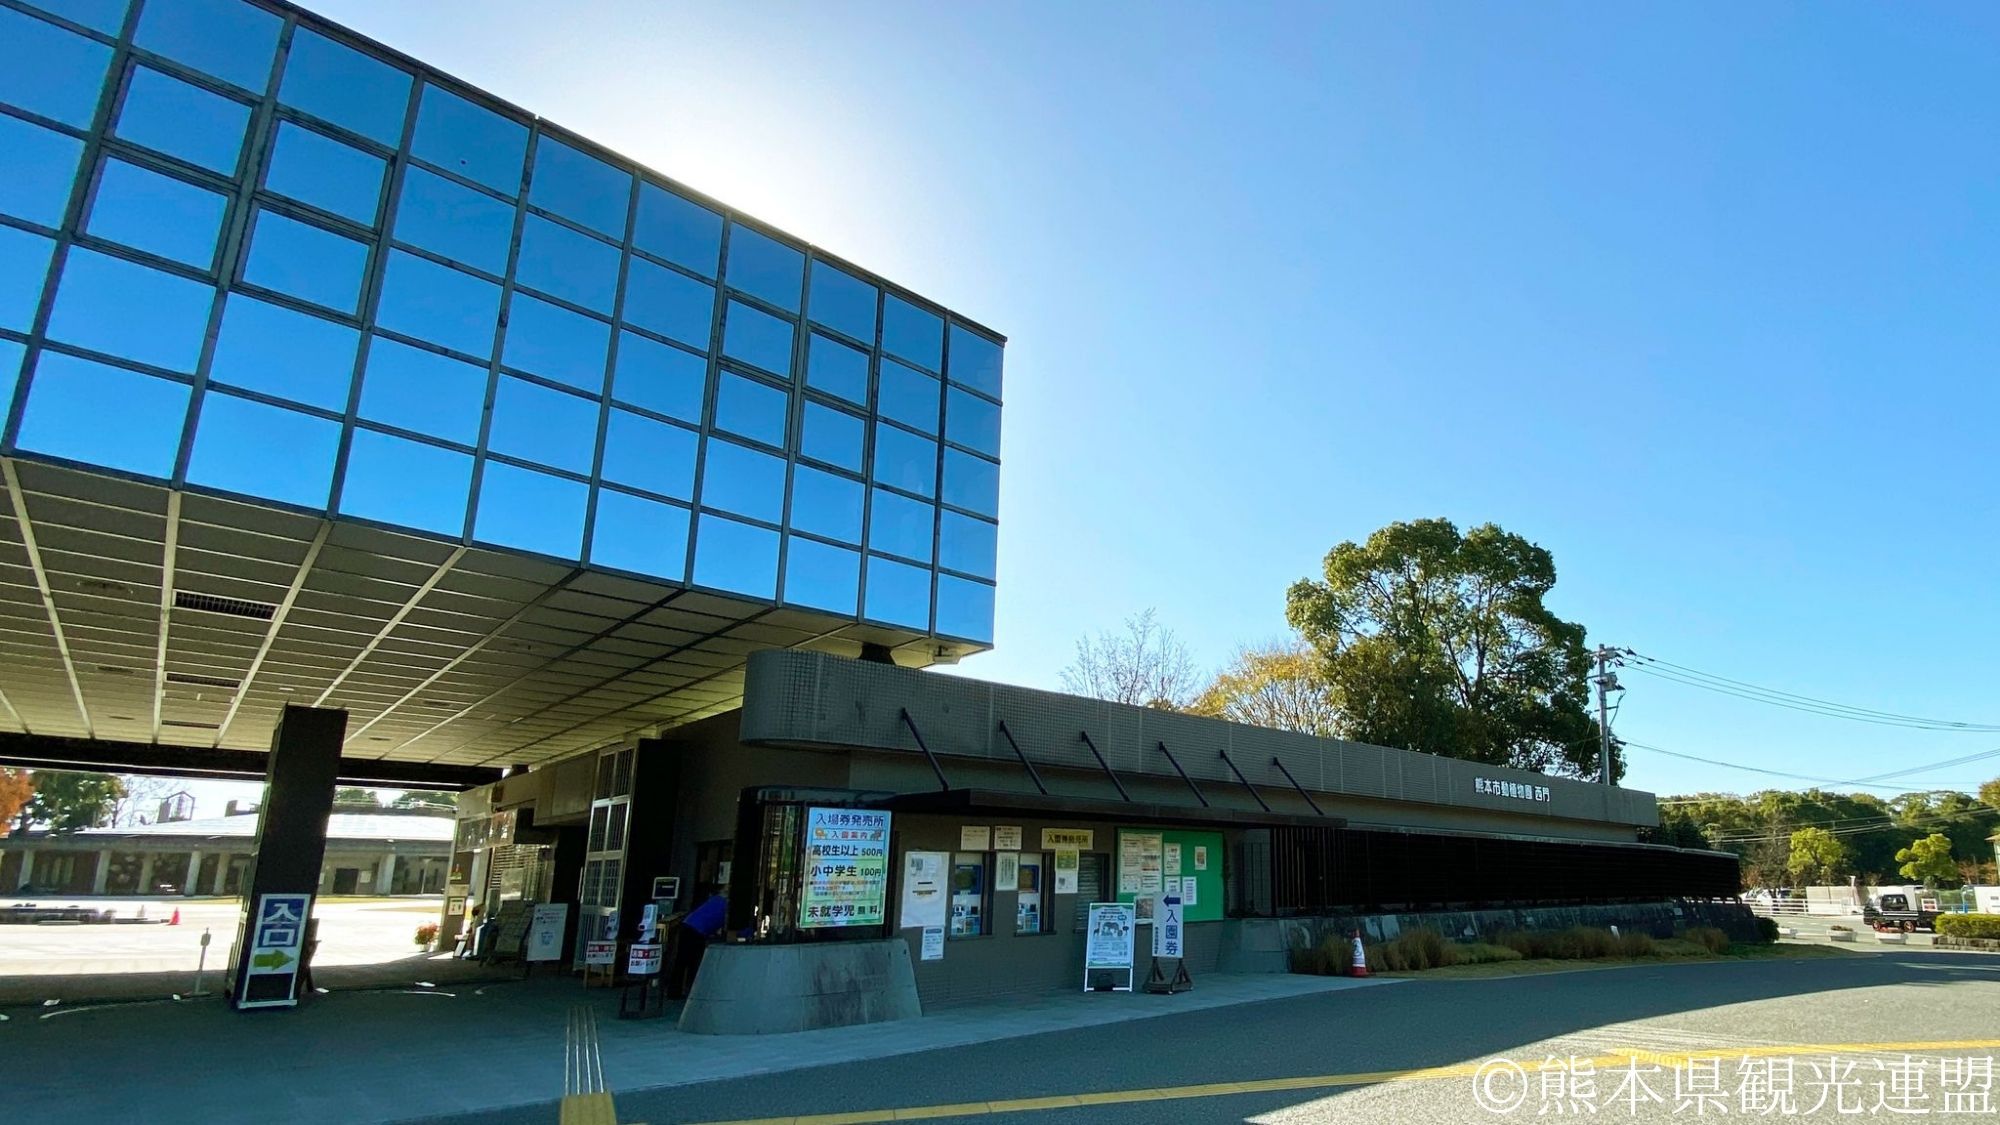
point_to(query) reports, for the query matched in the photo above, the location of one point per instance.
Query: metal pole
(201, 965)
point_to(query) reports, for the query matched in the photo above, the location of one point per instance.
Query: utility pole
(1607, 682)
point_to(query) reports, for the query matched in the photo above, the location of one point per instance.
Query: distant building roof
(339, 826)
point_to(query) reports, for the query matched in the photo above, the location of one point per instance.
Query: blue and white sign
(277, 946)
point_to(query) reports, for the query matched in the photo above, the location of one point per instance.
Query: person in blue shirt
(701, 926)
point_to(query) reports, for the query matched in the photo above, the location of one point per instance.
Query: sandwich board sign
(546, 927)
(277, 946)
(1167, 928)
(1108, 943)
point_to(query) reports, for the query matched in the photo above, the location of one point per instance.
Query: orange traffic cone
(1360, 958)
(176, 919)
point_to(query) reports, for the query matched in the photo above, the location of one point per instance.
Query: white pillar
(103, 872)
(146, 874)
(221, 872)
(27, 869)
(385, 874)
(191, 885)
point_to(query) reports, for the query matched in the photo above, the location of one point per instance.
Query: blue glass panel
(837, 369)
(226, 39)
(294, 355)
(736, 557)
(967, 544)
(104, 415)
(826, 504)
(339, 84)
(567, 263)
(554, 342)
(833, 436)
(437, 303)
(537, 423)
(659, 378)
(899, 525)
(912, 333)
(580, 187)
(531, 511)
(413, 389)
(822, 576)
(672, 304)
(844, 302)
(757, 338)
(764, 267)
(37, 171)
(653, 455)
(448, 218)
(406, 483)
(752, 409)
(972, 483)
(183, 120)
(24, 269)
(975, 361)
(111, 305)
(47, 70)
(898, 593)
(158, 214)
(640, 535)
(972, 421)
(316, 169)
(738, 479)
(470, 141)
(679, 230)
(107, 16)
(907, 395)
(310, 263)
(264, 451)
(905, 460)
(964, 609)
(11, 354)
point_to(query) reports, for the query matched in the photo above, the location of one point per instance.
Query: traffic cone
(176, 919)
(1360, 958)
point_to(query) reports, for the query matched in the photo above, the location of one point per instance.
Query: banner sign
(600, 953)
(1167, 928)
(545, 931)
(644, 959)
(1108, 944)
(1080, 839)
(846, 868)
(924, 890)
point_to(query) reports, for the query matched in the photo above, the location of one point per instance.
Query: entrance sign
(924, 897)
(600, 953)
(1167, 928)
(1108, 942)
(846, 868)
(545, 931)
(933, 943)
(277, 945)
(643, 960)
(1079, 839)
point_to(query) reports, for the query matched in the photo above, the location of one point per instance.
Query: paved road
(351, 932)
(1409, 1053)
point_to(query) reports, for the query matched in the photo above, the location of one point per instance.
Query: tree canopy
(1275, 685)
(1817, 855)
(1144, 664)
(1928, 860)
(16, 788)
(66, 801)
(1439, 641)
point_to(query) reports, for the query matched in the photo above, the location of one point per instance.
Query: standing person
(699, 928)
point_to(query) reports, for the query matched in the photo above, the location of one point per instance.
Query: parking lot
(352, 931)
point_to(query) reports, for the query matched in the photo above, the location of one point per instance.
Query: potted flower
(1892, 937)
(426, 934)
(1840, 933)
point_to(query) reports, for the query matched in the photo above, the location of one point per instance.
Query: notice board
(1140, 868)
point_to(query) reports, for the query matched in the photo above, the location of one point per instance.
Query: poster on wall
(975, 838)
(1201, 857)
(924, 890)
(933, 947)
(1066, 871)
(1189, 895)
(1006, 838)
(1131, 853)
(1173, 860)
(1006, 870)
(846, 868)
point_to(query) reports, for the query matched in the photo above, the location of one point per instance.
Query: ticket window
(970, 896)
(1034, 898)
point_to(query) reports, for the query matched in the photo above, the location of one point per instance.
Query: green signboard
(1151, 862)
(846, 868)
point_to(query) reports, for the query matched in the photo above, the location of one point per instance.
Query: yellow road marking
(1613, 1058)
(588, 1109)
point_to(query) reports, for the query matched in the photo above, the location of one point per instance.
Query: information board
(545, 931)
(846, 868)
(1108, 941)
(1145, 873)
(511, 927)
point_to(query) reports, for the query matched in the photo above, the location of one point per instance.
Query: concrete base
(768, 989)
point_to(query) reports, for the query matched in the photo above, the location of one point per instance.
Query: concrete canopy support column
(145, 886)
(385, 875)
(103, 875)
(27, 868)
(191, 885)
(291, 840)
(221, 873)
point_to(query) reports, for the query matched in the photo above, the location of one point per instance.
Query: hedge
(1969, 925)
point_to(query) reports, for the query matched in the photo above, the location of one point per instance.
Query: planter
(1842, 935)
(1891, 938)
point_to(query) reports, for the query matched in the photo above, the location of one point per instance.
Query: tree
(138, 800)
(66, 801)
(1928, 860)
(351, 795)
(1817, 855)
(1145, 665)
(425, 799)
(1278, 686)
(1989, 794)
(16, 788)
(1439, 641)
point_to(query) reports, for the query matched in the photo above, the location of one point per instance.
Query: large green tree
(1277, 685)
(65, 801)
(1439, 641)
(1928, 860)
(1817, 855)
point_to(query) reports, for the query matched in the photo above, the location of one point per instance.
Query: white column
(27, 869)
(221, 872)
(146, 874)
(191, 885)
(385, 874)
(103, 872)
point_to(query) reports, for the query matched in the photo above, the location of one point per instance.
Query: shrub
(1678, 947)
(427, 933)
(1635, 945)
(1708, 937)
(1479, 953)
(1767, 930)
(1968, 925)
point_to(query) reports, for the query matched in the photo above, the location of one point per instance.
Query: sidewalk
(399, 1055)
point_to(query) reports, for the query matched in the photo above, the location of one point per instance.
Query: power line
(1757, 769)
(1743, 689)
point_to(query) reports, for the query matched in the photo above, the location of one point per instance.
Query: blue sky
(1697, 298)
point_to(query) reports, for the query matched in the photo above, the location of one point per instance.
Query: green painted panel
(1155, 855)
